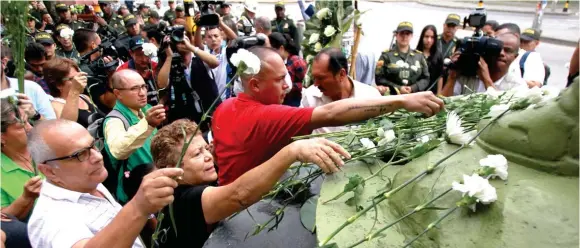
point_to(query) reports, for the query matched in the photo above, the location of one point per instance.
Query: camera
(477, 46)
(208, 16)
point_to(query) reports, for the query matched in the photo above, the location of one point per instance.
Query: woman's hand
(79, 82)
(324, 153)
(32, 188)
(25, 104)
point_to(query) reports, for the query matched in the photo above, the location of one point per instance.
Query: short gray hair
(39, 150)
(8, 116)
(264, 23)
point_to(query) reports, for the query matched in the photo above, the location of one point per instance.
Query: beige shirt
(313, 97)
(123, 142)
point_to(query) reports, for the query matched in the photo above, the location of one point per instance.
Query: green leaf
(172, 218)
(308, 214)
(423, 148)
(353, 182)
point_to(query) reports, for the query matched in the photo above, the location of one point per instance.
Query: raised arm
(351, 110)
(221, 202)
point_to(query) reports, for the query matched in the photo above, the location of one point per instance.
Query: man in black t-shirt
(199, 205)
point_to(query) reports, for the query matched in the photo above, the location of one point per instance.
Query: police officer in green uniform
(143, 12)
(282, 23)
(66, 48)
(169, 15)
(65, 17)
(246, 24)
(402, 70)
(448, 43)
(113, 19)
(122, 43)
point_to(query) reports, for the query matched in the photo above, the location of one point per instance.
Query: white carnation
(66, 33)
(149, 50)
(498, 162)
(454, 130)
(317, 47)
(246, 61)
(477, 188)
(496, 110)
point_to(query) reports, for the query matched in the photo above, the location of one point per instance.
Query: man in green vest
(448, 42)
(128, 146)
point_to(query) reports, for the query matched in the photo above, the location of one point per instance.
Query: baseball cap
(530, 34)
(154, 14)
(143, 6)
(452, 19)
(61, 7)
(405, 26)
(44, 38)
(129, 20)
(170, 1)
(225, 4)
(179, 8)
(136, 43)
(279, 5)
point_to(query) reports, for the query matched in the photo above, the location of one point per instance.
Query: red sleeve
(281, 122)
(123, 66)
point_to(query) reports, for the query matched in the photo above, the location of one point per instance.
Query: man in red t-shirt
(142, 64)
(251, 128)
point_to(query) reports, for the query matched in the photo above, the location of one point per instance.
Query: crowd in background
(89, 150)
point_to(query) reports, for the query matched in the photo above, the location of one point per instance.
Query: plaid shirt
(40, 81)
(297, 69)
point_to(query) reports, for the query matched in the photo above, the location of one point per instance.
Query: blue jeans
(16, 233)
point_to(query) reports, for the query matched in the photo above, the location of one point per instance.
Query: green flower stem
(415, 210)
(430, 226)
(383, 196)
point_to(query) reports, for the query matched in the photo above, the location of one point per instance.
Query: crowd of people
(113, 92)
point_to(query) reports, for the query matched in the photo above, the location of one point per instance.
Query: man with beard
(494, 75)
(447, 41)
(35, 57)
(143, 65)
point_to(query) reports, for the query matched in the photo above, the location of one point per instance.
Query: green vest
(138, 157)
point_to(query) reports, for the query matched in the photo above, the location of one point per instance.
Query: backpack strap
(116, 114)
(523, 61)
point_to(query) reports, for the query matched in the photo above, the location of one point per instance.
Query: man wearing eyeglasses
(128, 146)
(144, 66)
(74, 209)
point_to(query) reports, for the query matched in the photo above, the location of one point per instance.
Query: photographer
(195, 89)
(492, 71)
(215, 45)
(98, 87)
(143, 65)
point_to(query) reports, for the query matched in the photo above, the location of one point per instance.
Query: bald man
(74, 209)
(129, 129)
(251, 128)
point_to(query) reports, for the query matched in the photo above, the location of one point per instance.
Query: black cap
(136, 43)
(61, 7)
(44, 38)
(530, 34)
(225, 4)
(405, 26)
(452, 19)
(129, 20)
(143, 6)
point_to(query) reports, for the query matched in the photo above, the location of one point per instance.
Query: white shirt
(533, 66)
(62, 217)
(40, 100)
(220, 72)
(509, 81)
(313, 97)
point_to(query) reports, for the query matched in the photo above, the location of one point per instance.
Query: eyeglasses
(135, 89)
(82, 154)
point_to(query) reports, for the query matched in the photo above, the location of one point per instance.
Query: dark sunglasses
(82, 154)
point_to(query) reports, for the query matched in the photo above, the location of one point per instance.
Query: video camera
(476, 46)
(100, 68)
(243, 42)
(207, 11)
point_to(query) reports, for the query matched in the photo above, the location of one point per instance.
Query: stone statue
(536, 207)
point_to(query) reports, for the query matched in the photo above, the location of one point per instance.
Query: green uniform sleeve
(381, 72)
(423, 81)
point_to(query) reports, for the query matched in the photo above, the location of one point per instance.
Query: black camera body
(208, 16)
(477, 46)
(243, 42)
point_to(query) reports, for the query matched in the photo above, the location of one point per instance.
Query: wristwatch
(36, 116)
